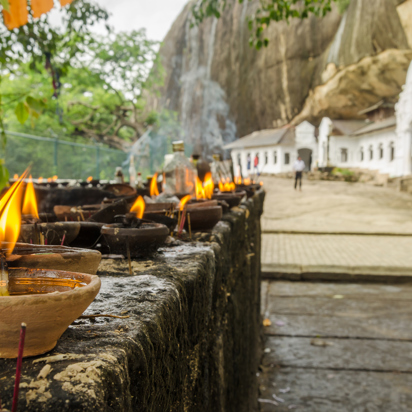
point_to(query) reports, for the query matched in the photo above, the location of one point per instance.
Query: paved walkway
(336, 346)
(335, 207)
(336, 228)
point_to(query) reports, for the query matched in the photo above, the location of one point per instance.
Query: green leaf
(35, 104)
(4, 174)
(22, 112)
(5, 4)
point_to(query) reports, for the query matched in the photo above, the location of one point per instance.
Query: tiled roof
(372, 127)
(347, 127)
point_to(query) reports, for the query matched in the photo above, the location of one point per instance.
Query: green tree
(125, 65)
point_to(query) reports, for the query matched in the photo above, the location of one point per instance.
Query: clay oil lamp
(41, 182)
(93, 182)
(132, 236)
(47, 301)
(37, 232)
(202, 214)
(248, 185)
(52, 182)
(227, 193)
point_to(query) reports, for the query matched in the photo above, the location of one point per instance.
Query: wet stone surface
(189, 339)
(336, 347)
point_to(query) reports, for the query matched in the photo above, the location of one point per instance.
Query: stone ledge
(191, 341)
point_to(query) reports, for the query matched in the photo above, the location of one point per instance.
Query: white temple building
(381, 142)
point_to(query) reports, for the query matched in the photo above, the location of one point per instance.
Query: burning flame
(205, 190)
(39, 180)
(246, 181)
(261, 183)
(139, 207)
(16, 176)
(227, 187)
(30, 204)
(183, 202)
(238, 180)
(10, 214)
(154, 191)
(54, 178)
(49, 179)
(200, 192)
(208, 185)
(89, 179)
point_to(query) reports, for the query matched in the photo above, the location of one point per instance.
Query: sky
(156, 16)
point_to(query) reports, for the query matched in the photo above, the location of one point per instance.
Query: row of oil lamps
(130, 228)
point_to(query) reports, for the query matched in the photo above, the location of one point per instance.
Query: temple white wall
(278, 158)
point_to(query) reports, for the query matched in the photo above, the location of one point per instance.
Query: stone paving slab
(314, 390)
(349, 354)
(330, 326)
(337, 347)
(341, 307)
(336, 256)
(347, 290)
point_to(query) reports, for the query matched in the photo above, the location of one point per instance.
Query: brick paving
(298, 253)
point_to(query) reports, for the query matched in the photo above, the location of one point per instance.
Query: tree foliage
(269, 11)
(125, 65)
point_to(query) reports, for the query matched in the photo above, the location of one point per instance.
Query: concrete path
(336, 345)
(335, 207)
(336, 230)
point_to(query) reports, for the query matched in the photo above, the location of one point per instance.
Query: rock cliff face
(335, 66)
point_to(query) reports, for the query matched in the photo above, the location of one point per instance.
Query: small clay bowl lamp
(202, 215)
(203, 218)
(120, 189)
(57, 233)
(75, 213)
(64, 184)
(48, 301)
(53, 257)
(84, 184)
(164, 213)
(132, 236)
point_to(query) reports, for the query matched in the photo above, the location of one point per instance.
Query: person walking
(248, 161)
(298, 167)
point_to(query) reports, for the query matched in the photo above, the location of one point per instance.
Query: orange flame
(238, 180)
(183, 202)
(227, 187)
(154, 191)
(49, 179)
(139, 207)
(30, 204)
(39, 180)
(246, 181)
(208, 186)
(10, 214)
(16, 176)
(54, 178)
(89, 179)
(200, 192)
(261, 183)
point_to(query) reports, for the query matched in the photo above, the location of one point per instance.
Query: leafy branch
(269, 11)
